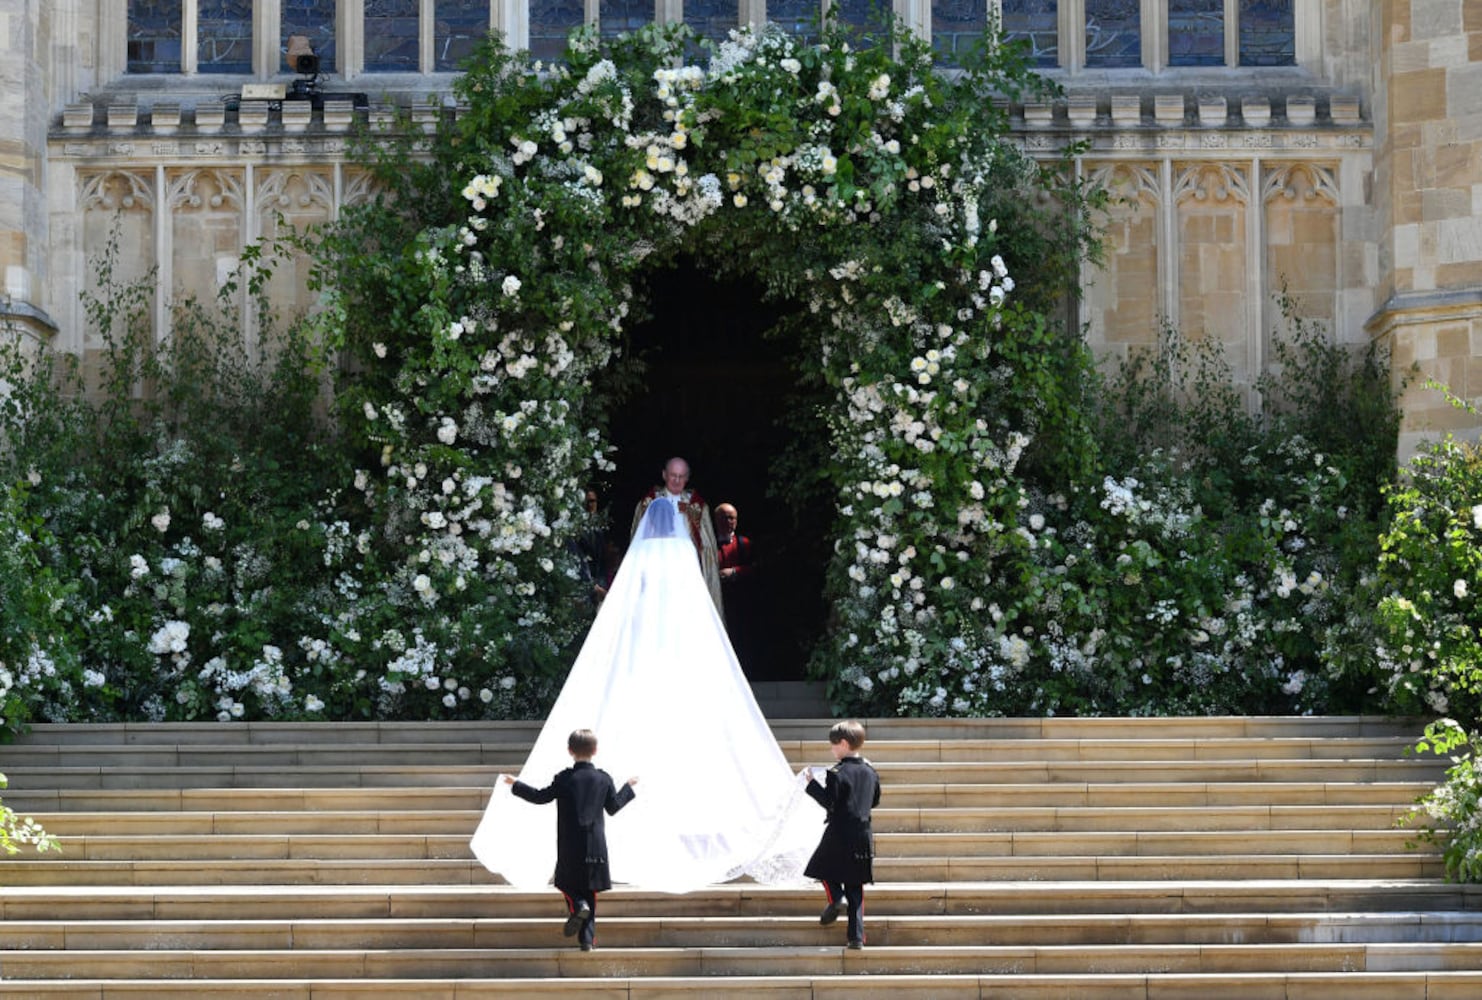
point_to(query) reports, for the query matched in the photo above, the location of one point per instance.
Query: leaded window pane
(622, 17)
(458, 26)
(863, 17)
(391, 36)
(551, 22)
(1196, 32)
(154, 36)
(224, 36)
(956, 26)
(796, 17)
(1035, 23)
(1267, 33)
(314, 19)
(1113, 33)
(712, 18)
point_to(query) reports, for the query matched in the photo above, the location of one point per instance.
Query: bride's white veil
(658, 682)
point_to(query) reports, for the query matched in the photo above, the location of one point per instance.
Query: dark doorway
(714, 392)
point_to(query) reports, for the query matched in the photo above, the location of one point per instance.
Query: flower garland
(854, 180)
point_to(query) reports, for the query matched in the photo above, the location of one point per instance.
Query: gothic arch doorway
(716, 391)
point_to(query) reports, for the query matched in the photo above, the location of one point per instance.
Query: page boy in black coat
(581, 792)
(843, 860)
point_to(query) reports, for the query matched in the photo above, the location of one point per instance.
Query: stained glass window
(956, 26)
(796, 17)
(621, 17)
(391, 36)
(313, 19)
(1196, 32)
(863, 17)
(1035, 23)
(458, 26)
(551, 21)
(154, 36)
(1113, 33)
(712, 18)
(1267, 33)
(224, 36)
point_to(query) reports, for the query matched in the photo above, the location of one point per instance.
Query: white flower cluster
(170, 639)
(265, 679)
(1169, 514)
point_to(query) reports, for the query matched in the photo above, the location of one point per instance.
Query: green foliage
(261, 533)
(485, 294)
(1429, 579)
(39, 673)
(18, 831)
(1203, 556)
(1452, 814)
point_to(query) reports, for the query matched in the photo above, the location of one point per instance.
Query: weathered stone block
(1038, 113)
(1344, 110)
(338, 114)
(165, 117)
(1255, 110)
(1419, 96)
(78, 116)
(1126, 109)
(1168, 109)
(1453, 340)
(252, 116)
(1435, 19)
(123, 116)
(296, 115)
(1464, 90)
(210, 117)
(1301, 110)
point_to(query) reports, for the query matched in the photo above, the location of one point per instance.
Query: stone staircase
(1224, 859)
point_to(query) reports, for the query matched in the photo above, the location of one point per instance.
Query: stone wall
(1428, 169)
(1352, 180)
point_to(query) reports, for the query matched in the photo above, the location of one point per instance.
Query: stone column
(24, 41)
(1428, 202)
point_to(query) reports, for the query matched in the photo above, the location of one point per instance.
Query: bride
(658, 682)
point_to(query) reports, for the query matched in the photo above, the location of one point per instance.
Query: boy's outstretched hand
(508, 779)
(631, 781)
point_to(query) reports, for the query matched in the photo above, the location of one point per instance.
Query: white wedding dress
(658, 682)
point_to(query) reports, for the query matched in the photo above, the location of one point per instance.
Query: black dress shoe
(587, 946)
(830, 913)
(856, 945)
(579, 916)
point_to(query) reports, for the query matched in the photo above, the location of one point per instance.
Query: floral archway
(865, 185)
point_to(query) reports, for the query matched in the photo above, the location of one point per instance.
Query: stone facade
(1351, 178)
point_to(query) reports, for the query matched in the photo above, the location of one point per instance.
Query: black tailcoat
(582, 792)
(845, 852)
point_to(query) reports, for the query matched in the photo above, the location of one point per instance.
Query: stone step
(928, 796)
(1032, 898)
(402, 870)
(506, 753)
(1221, 858)
(1109, 986)
(892, 847)
(140, 823)
(553, 962)
(806, 730)
(750, 932)
(951, 773)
